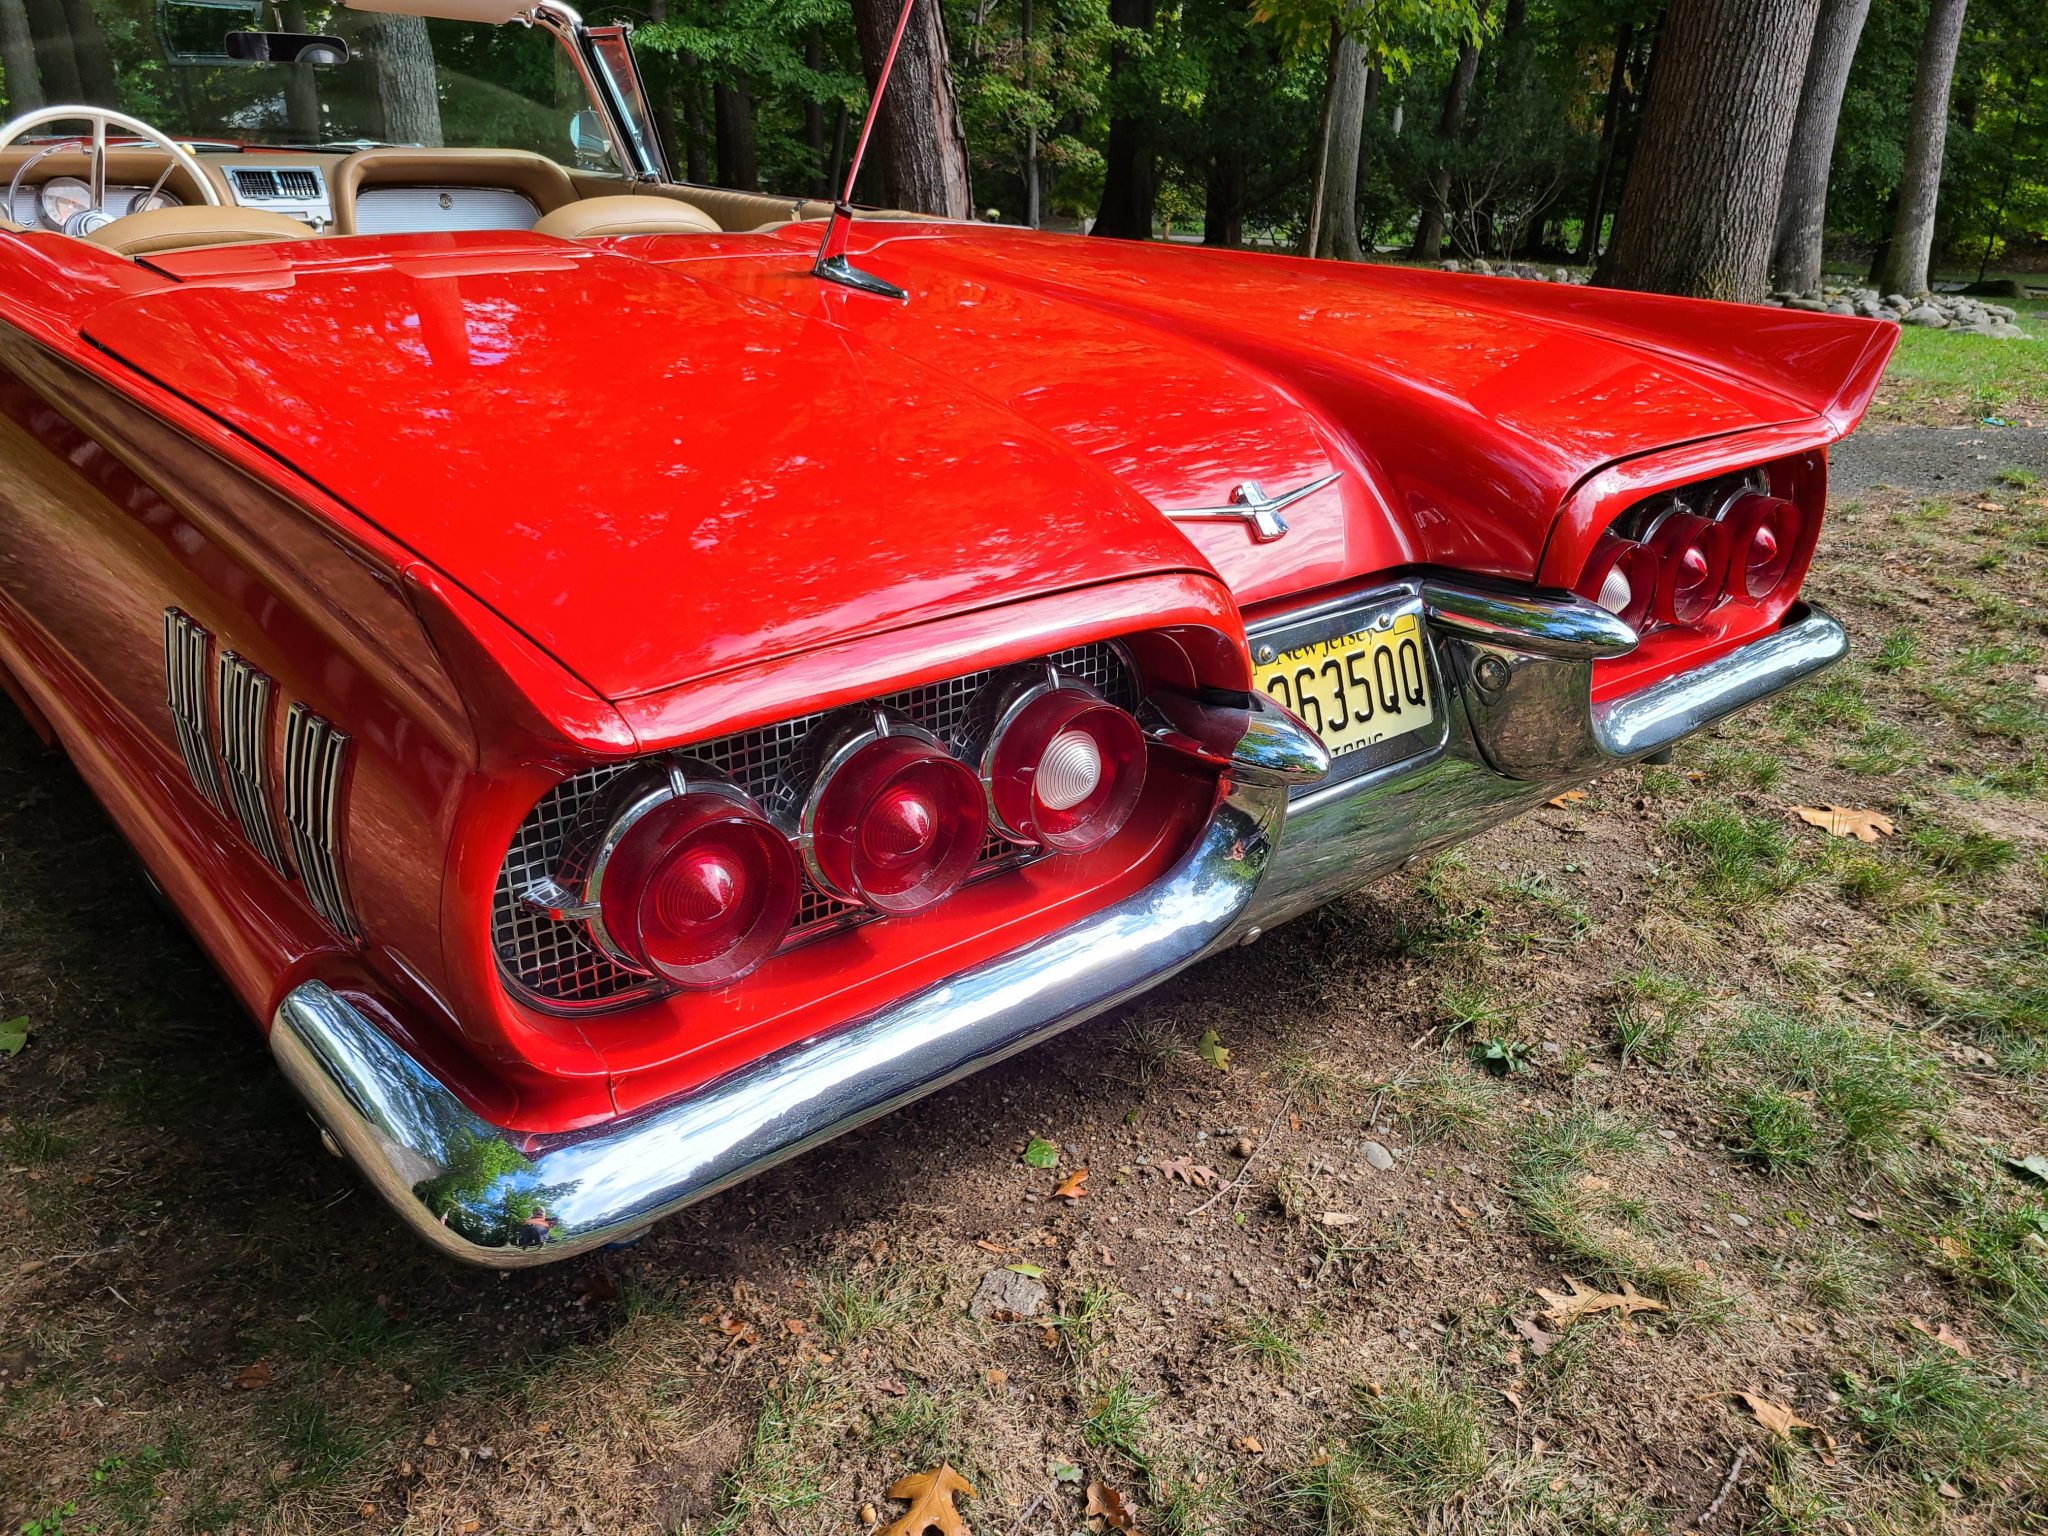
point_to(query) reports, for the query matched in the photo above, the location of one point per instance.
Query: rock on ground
(1005, 1294)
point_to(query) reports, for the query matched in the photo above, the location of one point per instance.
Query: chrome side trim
(495, 1197)
(1652, 719)
(187, 650)
(315, 770)
(245, 724)
(1255, 738)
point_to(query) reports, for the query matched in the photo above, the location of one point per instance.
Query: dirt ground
(1749, 1101)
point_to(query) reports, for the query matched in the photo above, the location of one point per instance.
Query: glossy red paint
(504, 506)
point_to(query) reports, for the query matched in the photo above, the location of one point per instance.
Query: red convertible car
(629, 679)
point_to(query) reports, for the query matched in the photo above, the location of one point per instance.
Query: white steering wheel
(101, 118)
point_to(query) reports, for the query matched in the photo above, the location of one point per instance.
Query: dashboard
(298, 189)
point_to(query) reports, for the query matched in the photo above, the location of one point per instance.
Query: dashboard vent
(245, 716)
(187, 650)
(255, 183)
(315, 760)
(300, 184)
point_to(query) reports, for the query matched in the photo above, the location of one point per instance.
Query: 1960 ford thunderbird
(628, 679)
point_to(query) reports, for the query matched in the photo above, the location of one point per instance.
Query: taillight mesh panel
(315, 760)
(555, 962)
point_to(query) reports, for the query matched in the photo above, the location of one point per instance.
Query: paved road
(1934, 460)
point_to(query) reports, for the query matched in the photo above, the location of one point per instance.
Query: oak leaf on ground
(1073, 1186)
(1212, 1050)
(1843, 821)
(1569, 797)
(930, 1497)
(1188, 1171)
(1584, 1301)
(1105, 1501)
(1944, 1335)
(1781, 1421)
(253, 1378)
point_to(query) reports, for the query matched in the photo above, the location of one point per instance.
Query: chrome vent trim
(245, 715)
(187, 650)
(553, 964)
(315, 765)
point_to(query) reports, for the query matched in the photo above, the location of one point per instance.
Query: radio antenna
(832, 264)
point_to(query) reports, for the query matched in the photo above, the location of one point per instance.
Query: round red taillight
(1762, 533)
(698, 888)
(1692, 554)
(1064, 770)
(1622, 578)
(894, 823)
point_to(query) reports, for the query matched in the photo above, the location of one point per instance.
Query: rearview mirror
(286, 48)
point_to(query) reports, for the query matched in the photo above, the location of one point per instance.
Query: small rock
(1244, 1146)
(2006, 331)
(1739, 1220)
(1451, 264)
(1377, 1156)
(1817, 306)
(1897, 300)
(1926, 315)
(1004, 1295)
(1841, 307)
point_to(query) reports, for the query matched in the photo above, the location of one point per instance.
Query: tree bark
(18, 59)
(301, 84)
(1226, 187)
(402, 65)
(89, 48)
(732, 123)
(1912, 240)
(1128, 185)
(1352, 89)
(660, 72)
(694, 167)
(1429, 229)
(1699, 208)
(51, 30)
(814, 116)
(1803, 204)
(1610, 127)
(918, 136)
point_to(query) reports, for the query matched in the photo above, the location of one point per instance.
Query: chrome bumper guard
(1517, 671)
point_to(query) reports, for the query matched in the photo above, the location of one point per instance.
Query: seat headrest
(596, 218)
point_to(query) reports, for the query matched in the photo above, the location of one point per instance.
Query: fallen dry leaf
(1072, 1187)
(253, 1378)
(743, 1333)
(1781, 1421)
(1870, 1217)
(930, 1497)
(1249, 1445)
(1540, 1343)
(1569, 797)
(1213, 1051)
(1188, 1171)
(1841, 821)
(1585, 1302)
(988, 1247)
(1944, 1335)
(1105, 1501)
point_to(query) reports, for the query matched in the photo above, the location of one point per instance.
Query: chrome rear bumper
(505, 1199)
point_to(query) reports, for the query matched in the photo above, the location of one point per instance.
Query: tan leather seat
(157, 230)
(535, 177)
(596, 218)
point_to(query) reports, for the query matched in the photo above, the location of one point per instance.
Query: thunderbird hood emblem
(1250, 505)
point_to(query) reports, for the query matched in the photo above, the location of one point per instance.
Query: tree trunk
(694, 168)
(1429, 229)
(89, 47)
(660, 72)
(402, 65)
(732, 121)
(1227, 185)
(1352, 89)
(918, 136)
(1912, 241)
(301, 84)
(1610, 127)
(1700, 204)
(51, 29)
(1803, 205)
(1127, 171)
(814, 117)
(18, 60)
(1030, 128)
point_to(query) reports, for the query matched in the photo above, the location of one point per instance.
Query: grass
(852, 1304)
(1798, 1090)
(1446, 1102)
(1964, 855)
(1995, 1244)
(780, 1471)
(1271, 1341)
(1654, 1014)
(1081, 1322)
(1424, 1442)
(1944, 1419)
(1116, 1423)
(918, 1429)
(1739, 860)
(1934, 375)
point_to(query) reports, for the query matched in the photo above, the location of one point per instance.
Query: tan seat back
(157, 230)
(596, 218)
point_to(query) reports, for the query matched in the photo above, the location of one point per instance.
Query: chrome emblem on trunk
(1250, 505)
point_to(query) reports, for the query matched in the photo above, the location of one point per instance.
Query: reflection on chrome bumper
(501, 1198)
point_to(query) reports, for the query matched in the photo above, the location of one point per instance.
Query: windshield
(406, 80)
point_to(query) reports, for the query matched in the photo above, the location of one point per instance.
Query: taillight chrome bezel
(630, 800)
(831, 752)
(1004, 708)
